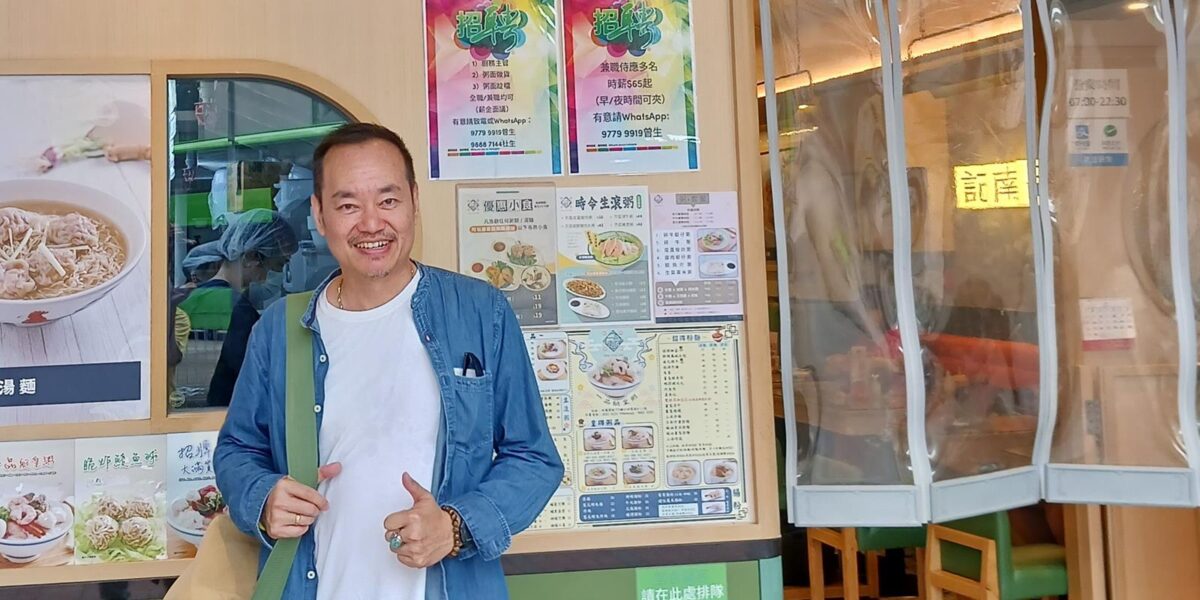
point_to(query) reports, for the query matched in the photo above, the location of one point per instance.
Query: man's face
(367, 209)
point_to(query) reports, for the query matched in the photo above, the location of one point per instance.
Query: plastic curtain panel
(1110, 153)
(968, 141)
(848, 454)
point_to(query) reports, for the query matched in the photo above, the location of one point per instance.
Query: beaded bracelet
(456, 525)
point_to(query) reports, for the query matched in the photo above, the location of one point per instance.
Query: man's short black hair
(358, 133)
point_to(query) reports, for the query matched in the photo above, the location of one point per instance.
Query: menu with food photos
(697, 263)
(37, 499)
(603, 257)
(120, 499)
(193, 500)
(648, 422)
(506, 237)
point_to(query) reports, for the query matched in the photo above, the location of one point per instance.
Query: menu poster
(506, 237)
(649, 441)
(631, 99)
(697, 266)
(493, 88)
(121, 504)
(603, 259)
(193, 500)
(548, 354)
(37, 493)
(75, 302)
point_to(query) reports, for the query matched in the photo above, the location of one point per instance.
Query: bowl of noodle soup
(62, 247)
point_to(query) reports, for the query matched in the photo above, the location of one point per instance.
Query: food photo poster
(74, 239)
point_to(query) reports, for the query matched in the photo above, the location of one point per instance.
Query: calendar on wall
(1107, 323)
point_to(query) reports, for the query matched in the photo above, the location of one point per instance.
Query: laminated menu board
(603, 257)
(74, 240)
(121, 500)
(193, 500)
(697, 263)
(506, 237)
(37, 499)
(649, 424)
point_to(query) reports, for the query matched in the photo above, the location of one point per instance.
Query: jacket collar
(309, 319)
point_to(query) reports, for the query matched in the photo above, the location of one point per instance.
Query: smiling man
(422, 383)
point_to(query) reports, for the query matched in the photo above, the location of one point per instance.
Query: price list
(559, 513)
(674, 255)
(648, 424)
(697, 417)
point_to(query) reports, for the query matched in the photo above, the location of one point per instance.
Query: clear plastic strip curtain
(876, 367)
(877, 362)
(968, 113)
(852, 411)
(1113, 157)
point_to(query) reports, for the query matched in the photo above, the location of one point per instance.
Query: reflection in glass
(241, 232)
(973, 264)
(847, 367)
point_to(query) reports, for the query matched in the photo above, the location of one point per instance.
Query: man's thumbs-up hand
(422, 535)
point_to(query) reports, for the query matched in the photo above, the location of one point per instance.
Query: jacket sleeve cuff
(255, 503)
(490, 535)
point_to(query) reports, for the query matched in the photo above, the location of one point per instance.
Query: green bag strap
(301, 423)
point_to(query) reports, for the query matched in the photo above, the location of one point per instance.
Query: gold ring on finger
(297, 519)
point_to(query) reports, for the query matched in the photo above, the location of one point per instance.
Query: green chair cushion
(1039, 570)
(872, 539)
(1031, 571)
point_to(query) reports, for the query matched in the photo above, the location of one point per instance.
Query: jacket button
(428, 338)
(323, 358)
(311, 574)
(317, 408)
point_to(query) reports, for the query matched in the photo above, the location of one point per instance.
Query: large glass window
(241, 232)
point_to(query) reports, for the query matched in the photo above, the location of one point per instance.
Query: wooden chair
(848, 542)
(975, 558)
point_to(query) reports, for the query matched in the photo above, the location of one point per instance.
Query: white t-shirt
(382, 413)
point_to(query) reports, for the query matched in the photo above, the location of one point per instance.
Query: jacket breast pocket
(472, 411)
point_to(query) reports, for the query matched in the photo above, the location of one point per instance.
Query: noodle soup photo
(58, 254)
(75, 187)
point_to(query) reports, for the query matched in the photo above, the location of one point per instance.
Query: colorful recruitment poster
(193, 500)
(37, 499)
(603, 256)
(697, 263)
(493, 88)
(631, 97)
(506, 237)
(121, 501)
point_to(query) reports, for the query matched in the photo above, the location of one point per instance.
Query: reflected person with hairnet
(256, 243)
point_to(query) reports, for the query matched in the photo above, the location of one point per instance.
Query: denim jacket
(496, 463)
